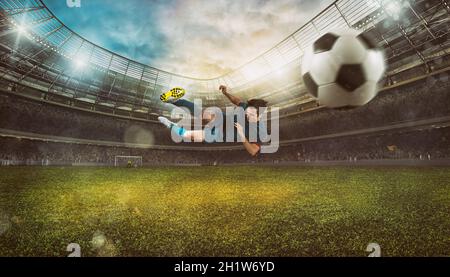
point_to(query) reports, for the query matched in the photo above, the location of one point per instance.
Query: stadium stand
(413, 144)
(51, 114)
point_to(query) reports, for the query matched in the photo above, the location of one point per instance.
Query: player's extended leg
(196, 135)
(173, 97)
(186, 104)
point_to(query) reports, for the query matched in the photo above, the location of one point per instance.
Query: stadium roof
(404, 29)
(46, 27)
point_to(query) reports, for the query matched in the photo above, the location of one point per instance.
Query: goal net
(128, 161)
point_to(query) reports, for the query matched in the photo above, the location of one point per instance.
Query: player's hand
(223, 89)
(239, 129)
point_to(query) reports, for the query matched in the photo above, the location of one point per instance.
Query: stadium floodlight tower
(128, 161)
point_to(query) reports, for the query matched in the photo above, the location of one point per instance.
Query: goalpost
(128, 161)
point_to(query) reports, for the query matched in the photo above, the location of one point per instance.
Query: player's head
(253, 109)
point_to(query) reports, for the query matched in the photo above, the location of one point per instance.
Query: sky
(196, 38)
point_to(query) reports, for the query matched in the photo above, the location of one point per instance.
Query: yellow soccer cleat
(175, 93)
(165, 96)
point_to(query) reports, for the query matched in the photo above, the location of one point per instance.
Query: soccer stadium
(84, 160)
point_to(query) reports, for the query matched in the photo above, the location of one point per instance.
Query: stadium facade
(60, 91)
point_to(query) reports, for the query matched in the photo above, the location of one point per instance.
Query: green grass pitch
(225, 211)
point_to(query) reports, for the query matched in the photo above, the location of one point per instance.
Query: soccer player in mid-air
(252, 115)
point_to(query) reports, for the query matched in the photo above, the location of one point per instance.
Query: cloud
(197, 38)
(209, 38)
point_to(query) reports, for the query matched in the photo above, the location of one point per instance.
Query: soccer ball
(342, 69)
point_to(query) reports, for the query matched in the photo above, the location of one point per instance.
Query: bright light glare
(394, 9)
(279, 72)
(79, 63)
(21, 29)
(255, 70)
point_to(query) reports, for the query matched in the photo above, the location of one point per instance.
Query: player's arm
(234, 99)
(252, 148)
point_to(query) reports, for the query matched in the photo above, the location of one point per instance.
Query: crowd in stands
(420, 100)
(430, 144)
(42, 118)
(425, 99)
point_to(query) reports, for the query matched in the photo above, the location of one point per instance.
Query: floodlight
(394, 9)
(21, 29)
(79, 63)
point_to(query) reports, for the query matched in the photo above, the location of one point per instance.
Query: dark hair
(257, 103)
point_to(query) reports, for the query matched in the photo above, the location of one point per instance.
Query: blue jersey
(261, 130)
